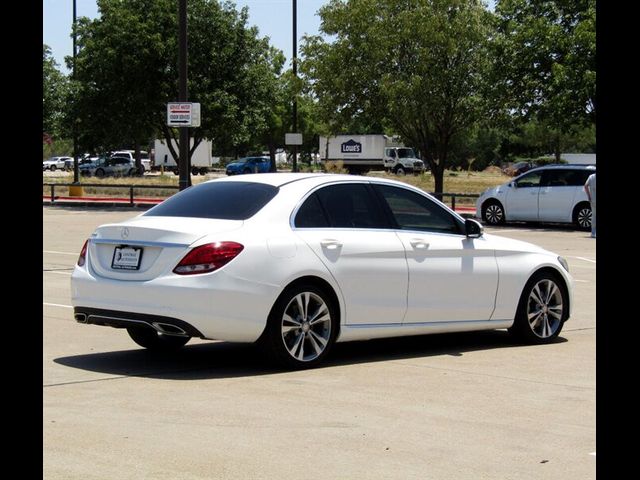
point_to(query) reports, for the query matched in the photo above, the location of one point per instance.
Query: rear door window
(351, 205)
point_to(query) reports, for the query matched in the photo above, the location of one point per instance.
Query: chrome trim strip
(144, 243)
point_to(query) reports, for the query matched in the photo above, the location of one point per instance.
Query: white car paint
(545, 203)
(387, 282)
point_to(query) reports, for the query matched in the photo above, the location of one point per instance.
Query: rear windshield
(223, 200)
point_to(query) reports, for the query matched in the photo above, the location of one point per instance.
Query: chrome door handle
(419, 244)
(330, 244)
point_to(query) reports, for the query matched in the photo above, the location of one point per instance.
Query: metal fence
(133, 188)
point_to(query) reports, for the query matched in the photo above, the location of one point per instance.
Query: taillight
(83, 254)
(207, 258)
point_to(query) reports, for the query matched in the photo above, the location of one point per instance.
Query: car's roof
(576, 166)
(313, 179)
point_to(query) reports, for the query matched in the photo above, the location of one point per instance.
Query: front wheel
(52, 168)
(542, 310)
(400, 171)
(493, 213)
(302, 327)
(99, 173)
(150, 339)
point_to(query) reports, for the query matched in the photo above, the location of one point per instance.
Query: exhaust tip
(168, 329)
(80, 317)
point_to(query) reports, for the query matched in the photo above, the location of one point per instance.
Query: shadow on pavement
(229, 360)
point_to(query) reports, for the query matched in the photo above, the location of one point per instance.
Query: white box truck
(361, 153)
(202, 160)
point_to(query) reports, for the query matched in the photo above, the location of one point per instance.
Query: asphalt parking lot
(455, 406)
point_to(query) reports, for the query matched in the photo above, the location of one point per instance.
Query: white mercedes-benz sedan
(297, 262)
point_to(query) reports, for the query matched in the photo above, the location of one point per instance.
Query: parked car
(553, 193)
(111, 166)
(55, 163)
(297, 262)
(131, 154)
(249, 165)
(68, 164)
(518, 168)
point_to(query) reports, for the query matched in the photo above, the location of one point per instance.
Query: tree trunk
(557, 148)
(272, 156)
(137, 156)
(438, 178)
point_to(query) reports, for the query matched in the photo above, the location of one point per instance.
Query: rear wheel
(203, 171)
(302, 327)
(582, 216)
(493, 213)
(195, 171)
(542, 310)
(150, 339)
(52, 168)
(99, 173)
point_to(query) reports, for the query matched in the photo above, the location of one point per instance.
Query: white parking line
(56, 272)
(580, 281)
(56, 305)
(593, 453)
(60, 253)
(585, 259)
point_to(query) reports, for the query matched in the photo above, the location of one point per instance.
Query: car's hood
(493, 191)
(510, 245)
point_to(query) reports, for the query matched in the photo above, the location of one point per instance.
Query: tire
(99, 173)
(493, 212)
(148, 338)
(195, 171)
(290, 338)
(544, 299)
(582, 216)
(400, 171)
(52, 168)
(203, 171)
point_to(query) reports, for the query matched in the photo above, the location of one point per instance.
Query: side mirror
(473, 228)
(513, 184)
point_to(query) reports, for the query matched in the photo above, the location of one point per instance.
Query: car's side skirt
(370, 331)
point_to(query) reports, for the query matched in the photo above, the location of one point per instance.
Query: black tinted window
(564, 178)
(223, 200)
(310, 214)
(529, 180)
(351, 206)
(412, 211)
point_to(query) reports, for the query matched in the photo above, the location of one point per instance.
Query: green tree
(418, 67)
(54, 91)
(127, 73)
(545, 64)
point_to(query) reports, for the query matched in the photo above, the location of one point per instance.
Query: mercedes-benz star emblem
(124, 233)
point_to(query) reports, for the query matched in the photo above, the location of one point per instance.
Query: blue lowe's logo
(351, 147)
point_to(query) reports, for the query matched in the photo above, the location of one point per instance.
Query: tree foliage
(54, 92)
(418, 67)
(545, 62)
(127, 71)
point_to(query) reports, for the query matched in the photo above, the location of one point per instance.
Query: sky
(272, 17)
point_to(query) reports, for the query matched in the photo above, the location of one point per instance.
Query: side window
(310, 214)
(529, 180)
(413, 211)
(351, 206)
(391, 153)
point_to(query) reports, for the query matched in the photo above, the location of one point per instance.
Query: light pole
(295, 77)
(74, 127)
(183, 93)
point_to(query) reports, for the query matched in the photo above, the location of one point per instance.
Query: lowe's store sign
(351, 147)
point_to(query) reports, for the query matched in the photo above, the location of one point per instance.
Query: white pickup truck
(55, 163)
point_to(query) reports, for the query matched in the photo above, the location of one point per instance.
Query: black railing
(131, 188)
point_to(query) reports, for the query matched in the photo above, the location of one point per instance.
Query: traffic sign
(183, 114)
(293, 139)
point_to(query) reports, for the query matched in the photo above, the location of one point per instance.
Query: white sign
(183, 114)
(293, 139)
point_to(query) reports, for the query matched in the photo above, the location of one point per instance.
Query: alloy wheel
(306, 326)
(544, 308)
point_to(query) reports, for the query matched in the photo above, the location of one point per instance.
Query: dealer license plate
(126, 258)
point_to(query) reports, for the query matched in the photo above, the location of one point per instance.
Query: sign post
(183, 114)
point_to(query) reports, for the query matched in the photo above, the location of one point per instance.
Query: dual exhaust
(160, 327)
